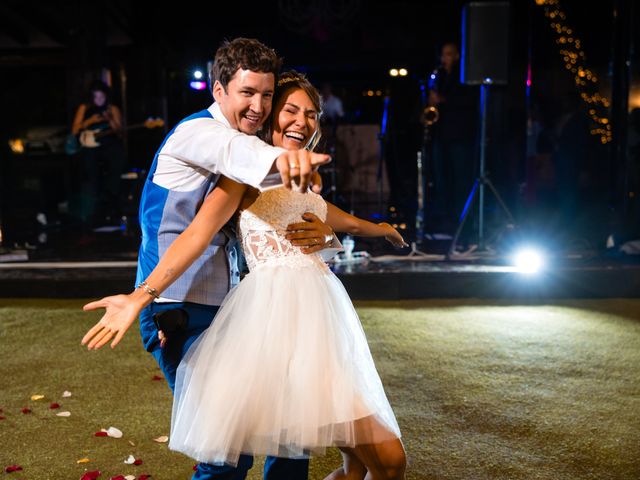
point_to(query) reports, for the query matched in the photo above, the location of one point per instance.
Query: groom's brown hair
(244, 53)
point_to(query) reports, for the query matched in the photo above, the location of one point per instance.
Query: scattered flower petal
(37, 397)
(117, 477)
(130, 477)
(144, 476)
(137, 462)
(130, 459)
(101, 434)
(13, 468)
(195, 467)
(91, 475)
(54, 405)
(2, 418)
(83, 460)
(131, 443)
(26, 410)
(114, 432)
(161, 439)
(157, 378)
(66, 394)
(63, 414)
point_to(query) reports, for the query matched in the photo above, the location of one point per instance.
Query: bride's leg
(385, 460)
(352, 468)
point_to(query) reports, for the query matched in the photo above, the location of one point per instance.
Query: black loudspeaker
(485, 43)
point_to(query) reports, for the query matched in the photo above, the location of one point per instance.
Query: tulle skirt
(284, 370)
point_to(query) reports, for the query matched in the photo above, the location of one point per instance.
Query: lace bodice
(262, 227)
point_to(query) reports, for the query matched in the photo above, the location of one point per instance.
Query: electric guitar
(88, 138)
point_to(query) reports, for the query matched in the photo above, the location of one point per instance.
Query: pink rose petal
(13, 468)
(101, 434)
(137, 462)
(144, 476)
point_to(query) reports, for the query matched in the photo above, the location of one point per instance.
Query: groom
(215, 141)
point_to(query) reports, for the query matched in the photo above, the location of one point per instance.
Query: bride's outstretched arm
(122, 310)
(342, 221)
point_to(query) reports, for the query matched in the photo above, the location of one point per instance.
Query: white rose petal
(161, 439)
(130, 459)
(130, 477)
(114, 432)
(66, 394)
(63, 414)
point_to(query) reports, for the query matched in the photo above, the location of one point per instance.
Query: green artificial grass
(482, 390)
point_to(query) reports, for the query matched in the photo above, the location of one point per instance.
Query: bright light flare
(198, 85)
(197, 74)
(16, 145)
(528, 260)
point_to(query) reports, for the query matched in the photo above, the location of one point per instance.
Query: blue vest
(165, 214)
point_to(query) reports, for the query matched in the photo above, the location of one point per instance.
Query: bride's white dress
(285, 368)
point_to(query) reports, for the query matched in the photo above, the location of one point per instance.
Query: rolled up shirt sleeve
(208, 144)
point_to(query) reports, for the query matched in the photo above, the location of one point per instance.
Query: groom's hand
(312, 235)
(299, 166)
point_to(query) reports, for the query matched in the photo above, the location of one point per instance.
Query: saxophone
(430, 114)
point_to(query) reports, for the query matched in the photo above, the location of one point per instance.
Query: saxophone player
(454, 137)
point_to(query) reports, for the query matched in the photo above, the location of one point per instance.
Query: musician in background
(98, 124)
(454, 136)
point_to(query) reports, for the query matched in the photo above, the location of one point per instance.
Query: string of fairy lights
(586, 81)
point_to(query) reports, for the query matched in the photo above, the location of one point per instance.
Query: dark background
(51, 50)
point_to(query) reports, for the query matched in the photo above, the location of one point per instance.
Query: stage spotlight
(403, 72)
(528, 260)
(393, 72)
(198, 84)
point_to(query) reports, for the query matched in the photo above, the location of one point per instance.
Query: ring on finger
(293, 166)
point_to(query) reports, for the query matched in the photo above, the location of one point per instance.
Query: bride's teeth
(295, 136)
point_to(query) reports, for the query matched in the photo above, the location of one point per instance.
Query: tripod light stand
(478, 190)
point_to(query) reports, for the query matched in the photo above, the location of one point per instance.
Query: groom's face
(246, 102)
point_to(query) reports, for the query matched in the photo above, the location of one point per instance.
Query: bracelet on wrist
(150, 290)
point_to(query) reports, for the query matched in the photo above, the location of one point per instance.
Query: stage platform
(378, 278)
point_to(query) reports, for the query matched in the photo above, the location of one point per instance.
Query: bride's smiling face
(295, 120)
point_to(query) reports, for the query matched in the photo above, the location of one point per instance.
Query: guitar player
(101, 165)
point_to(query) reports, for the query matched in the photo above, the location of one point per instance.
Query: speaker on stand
(485, 46)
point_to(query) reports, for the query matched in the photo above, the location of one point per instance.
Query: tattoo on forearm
(169, 273)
